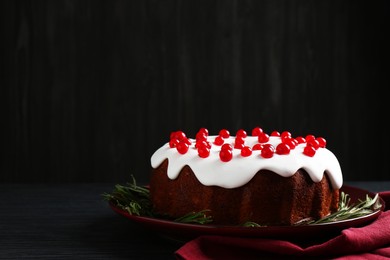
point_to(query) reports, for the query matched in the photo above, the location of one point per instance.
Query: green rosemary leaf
(135, 200)
(195, 217)
(132, 198)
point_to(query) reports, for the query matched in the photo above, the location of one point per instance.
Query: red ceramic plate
(183, 232)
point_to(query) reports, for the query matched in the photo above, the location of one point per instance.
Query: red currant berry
(246, 151)
(201, 143)
(309, 150)
(204, 130)
(218, 140)
(290, 142)
(241, 133)
(173, 142)
(321, 141)
(224, 133)
(267, 151)
(282, 148)
(300, 140)
(238, 145)
(314, 143)
(225, 155)
(263, 138)
(201, 136)
(256, 131)
(309, 137)
(227, 147)
(186, 140)
(203, 151)
(239, 140)
(285, 134)
(275, 133)
(182, 147)
(179, 135)
(257, 147)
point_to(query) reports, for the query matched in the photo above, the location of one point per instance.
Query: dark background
(89, 89)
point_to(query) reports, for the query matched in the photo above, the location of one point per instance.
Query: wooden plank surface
(89, 89)
(71, 221)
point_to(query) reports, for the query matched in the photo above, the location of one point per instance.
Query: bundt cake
(270, 179)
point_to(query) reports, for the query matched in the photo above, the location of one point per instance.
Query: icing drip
(240, 170)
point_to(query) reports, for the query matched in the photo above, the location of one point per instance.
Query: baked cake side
(281, 189)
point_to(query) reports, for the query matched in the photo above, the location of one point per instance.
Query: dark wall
(89, 89)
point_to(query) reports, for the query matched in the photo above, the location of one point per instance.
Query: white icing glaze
(240, 170)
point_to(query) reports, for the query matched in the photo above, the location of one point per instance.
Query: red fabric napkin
(369, 242)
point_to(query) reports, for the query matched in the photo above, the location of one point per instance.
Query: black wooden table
(72, 221)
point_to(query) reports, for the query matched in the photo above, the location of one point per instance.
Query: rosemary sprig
(347, 211)
(132, 198)
(195, 217)
(135, 200)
